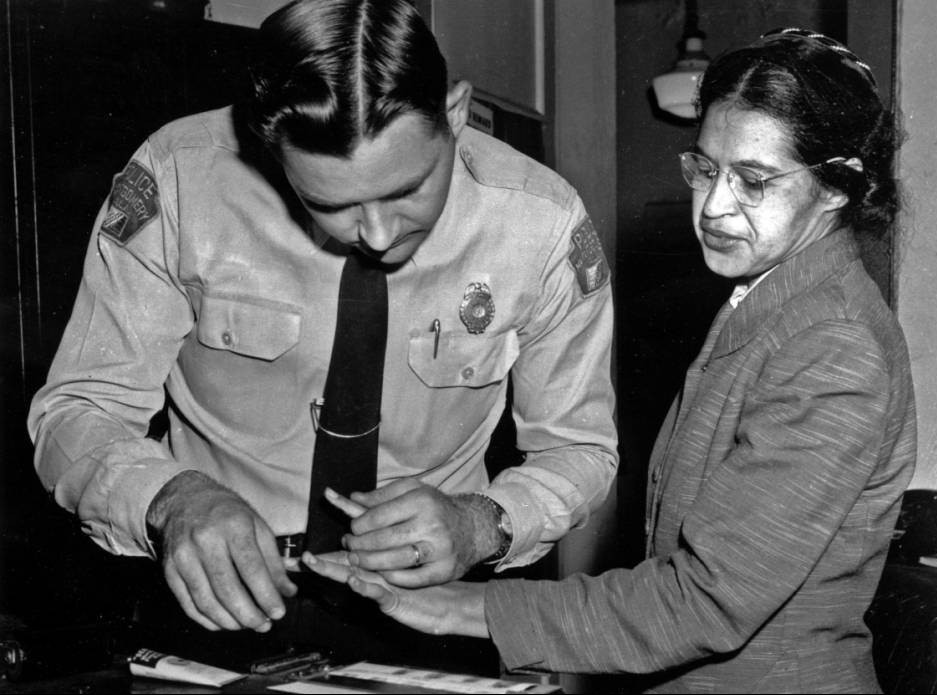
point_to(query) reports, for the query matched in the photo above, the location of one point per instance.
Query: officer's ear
(458, 99)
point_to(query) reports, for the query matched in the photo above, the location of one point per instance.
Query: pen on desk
(306, 661)
(436, 329)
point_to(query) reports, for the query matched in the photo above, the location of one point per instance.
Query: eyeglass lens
(700, 174)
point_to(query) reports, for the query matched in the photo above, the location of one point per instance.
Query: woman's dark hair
(332, 72)
(827, 100)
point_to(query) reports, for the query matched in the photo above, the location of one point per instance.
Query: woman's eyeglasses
(747, 185)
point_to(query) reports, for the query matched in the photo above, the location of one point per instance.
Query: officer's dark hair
(330, 73)
(827, 100)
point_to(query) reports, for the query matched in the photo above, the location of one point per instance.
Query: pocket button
(468, 373)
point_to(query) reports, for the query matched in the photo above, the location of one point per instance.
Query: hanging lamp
(676, 90)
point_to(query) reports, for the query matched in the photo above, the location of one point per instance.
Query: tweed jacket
(774, 487)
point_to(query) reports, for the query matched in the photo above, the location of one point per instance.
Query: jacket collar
(805, 270)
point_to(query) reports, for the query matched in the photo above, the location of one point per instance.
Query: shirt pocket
(246, 328)
(460, 360)
(241, 368)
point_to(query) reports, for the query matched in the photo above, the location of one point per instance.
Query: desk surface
(117, 680)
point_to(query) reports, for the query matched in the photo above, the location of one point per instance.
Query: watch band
(506, 536)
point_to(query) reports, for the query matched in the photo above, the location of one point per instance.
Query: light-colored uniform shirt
(203, 282)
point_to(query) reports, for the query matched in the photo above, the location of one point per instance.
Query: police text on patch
(134, 201)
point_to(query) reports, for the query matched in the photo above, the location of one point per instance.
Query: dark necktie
(345, 456)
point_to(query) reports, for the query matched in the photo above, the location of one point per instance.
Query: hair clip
(827, 42)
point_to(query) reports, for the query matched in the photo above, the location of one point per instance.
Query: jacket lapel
(806, 269)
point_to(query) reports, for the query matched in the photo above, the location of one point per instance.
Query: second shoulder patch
(587, 258)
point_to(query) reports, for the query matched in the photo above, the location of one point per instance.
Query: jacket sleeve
(89, 421)
(807, 445)
(563, 402)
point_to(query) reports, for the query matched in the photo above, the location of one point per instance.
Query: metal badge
(477, 308)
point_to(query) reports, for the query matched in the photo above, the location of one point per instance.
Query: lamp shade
(676, 90)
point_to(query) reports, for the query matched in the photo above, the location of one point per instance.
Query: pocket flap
(250, 329)
(462, 360)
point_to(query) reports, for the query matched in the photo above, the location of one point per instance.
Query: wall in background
(584, 144)
(497, 46)
(916, 267)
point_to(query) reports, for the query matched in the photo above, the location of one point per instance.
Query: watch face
(504, 525)
(505, 528)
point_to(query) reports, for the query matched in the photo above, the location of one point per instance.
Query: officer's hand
(219, 557)
(413, 534)
(458, 608)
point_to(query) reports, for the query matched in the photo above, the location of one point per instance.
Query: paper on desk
(433, 680)
(313, 687)
(153, 664)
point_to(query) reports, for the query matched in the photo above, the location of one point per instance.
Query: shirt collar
(744, 288)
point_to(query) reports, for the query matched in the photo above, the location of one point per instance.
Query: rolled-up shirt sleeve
(563, 401)
(90, 420)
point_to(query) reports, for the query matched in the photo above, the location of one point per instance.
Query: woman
(777, 476)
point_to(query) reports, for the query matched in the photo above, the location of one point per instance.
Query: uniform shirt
(203, 278)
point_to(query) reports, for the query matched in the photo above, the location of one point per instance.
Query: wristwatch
(504, 529)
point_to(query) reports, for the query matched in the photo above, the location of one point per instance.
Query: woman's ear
(458, 99)
(837, 198)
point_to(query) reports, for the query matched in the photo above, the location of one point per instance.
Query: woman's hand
(457, 608)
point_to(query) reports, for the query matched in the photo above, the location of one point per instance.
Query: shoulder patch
(587, 258)
(133, 202)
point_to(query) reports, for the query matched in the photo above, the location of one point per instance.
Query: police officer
(211, 281)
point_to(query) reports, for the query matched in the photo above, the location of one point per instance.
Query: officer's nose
(376, 227)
